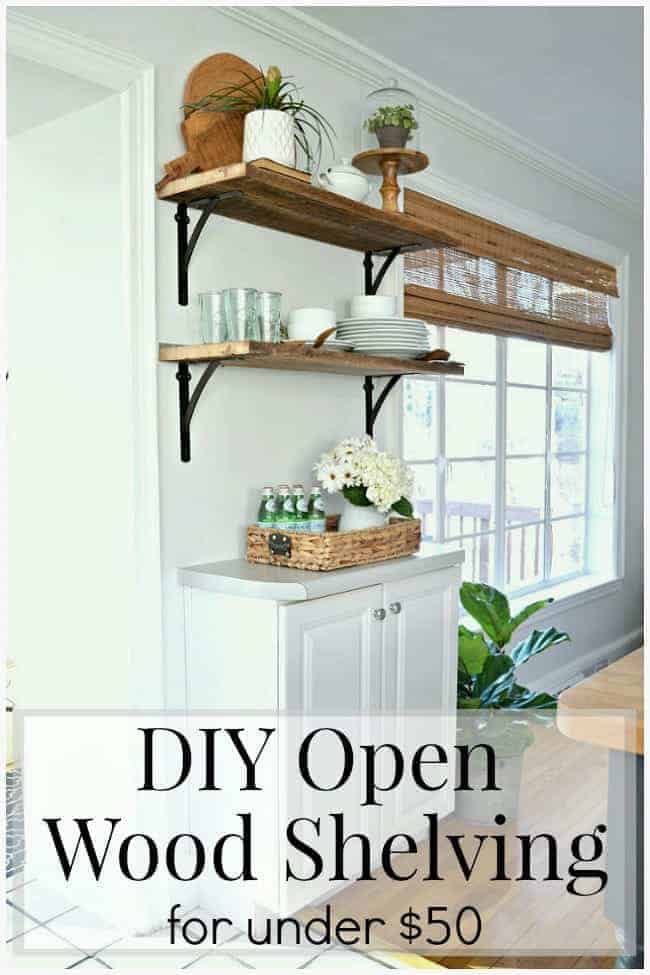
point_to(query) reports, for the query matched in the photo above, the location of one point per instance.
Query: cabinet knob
(379, 614)
(395, 608)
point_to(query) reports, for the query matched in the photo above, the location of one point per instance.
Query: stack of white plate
(407, 338)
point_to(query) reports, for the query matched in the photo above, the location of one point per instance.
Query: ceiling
(37, 94)
(567, 78)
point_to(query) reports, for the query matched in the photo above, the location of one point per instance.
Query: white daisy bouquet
(367, 476)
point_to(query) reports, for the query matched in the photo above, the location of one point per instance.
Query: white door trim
(134, 79)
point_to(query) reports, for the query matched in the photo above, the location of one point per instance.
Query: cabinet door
(330, 677)
(419, 655)
(330, 652)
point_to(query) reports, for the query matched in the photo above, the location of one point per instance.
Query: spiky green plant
(271, 90)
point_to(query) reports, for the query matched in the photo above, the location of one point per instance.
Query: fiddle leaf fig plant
(486, 673)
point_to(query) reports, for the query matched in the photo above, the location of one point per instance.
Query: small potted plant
(393, 125)
(277, 118)
(372, 482)
(491, 703)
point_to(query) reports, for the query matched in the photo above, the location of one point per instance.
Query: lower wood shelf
(292, 357)
(296, 357)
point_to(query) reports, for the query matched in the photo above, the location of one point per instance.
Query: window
(514, 461)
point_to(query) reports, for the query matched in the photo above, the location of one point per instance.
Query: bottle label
(270, 505)
(318, 504)
(302, 505)
(288, 506)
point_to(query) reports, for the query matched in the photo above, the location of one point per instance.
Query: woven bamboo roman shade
(500, 281)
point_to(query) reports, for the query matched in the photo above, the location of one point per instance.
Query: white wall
(252, 427)
(69, 449)
(37, 94)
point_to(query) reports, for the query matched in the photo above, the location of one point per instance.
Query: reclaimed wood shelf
(298, 358)
(268, 195)
(293, 357)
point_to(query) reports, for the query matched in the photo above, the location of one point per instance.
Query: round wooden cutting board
(211, 74)
(212, 138)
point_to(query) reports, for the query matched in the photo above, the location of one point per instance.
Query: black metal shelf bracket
(374, 406)
(372, 285)
(185, 246)
(187, 403)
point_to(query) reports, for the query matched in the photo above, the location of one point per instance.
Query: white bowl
(373, 306)
(306, 324)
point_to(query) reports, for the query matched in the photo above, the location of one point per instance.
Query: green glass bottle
(316, 511)
(267, 513)
(301, 505)
(283, 492)
(286, 516)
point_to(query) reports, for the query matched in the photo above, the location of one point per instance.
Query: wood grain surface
(296, 357)
(591, 711)
(272, 198)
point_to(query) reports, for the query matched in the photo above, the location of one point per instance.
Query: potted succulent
(372, 482)
(277, 118)
(393, 125)
(491, 703)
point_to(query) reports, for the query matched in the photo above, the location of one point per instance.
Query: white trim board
(55, 47)
(582, 667)
(134, 80)
(292, 26)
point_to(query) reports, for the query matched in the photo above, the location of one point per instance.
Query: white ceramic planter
(269, 134)
(356, 517)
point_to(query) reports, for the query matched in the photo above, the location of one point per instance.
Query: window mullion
(548, 539)
(586, 566)
(442, 445)
(500, 465)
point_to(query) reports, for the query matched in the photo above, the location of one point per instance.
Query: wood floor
(526, 925)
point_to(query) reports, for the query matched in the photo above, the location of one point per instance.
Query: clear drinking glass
(268, 308)
(211, 317)
(240, 312)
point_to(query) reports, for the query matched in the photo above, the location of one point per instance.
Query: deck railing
(470, 522)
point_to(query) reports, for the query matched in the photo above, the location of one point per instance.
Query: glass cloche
(390, 119)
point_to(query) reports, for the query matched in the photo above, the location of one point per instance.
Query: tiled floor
(46, 930)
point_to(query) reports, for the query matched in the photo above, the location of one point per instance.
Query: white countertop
(237, 577)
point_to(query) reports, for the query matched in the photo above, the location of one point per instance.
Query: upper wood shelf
(295, 357)
(266, 195)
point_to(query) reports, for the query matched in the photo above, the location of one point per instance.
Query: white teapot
(344, 179)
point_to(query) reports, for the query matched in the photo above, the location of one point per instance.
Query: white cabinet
(419, 685)
(375, 647)
(330, 653)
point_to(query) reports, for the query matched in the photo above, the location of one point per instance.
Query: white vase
(357, 517)
(269, 134)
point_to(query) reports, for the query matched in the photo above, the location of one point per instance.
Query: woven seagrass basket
(332, 549)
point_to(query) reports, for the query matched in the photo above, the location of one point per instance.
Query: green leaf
(526, 613)
(536, 642)
(495, 666)
(499, 692)
(403, 507)
(472, 650)
(490, 608)
(356, 495)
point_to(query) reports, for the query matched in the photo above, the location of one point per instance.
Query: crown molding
(55, 47)
(292, 26)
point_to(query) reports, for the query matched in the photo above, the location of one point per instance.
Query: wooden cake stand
(390, 163)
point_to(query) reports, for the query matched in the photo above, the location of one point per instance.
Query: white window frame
(498, 533)
(582, 588)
